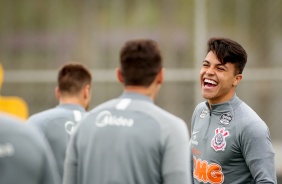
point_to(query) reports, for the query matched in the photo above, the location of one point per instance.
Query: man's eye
(221, 68)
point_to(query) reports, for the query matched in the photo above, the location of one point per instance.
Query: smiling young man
(230, 142)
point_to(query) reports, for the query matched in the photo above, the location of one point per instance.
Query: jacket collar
(224, 107)
(136, 96)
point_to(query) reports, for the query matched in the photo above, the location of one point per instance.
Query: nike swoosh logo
(195, 132)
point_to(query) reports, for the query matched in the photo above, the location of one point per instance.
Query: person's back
(129, 140)
(57, 124)
(25, 157)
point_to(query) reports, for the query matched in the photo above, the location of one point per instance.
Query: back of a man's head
(72, 78)
(140, 62)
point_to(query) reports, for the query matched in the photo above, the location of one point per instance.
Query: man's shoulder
(247, 120)
(142, 107)
(104, 105)
(16, 127)
(45, 113)
(247, 114)
(200, 108)
(10, 124)
(161, 115)
(201, 105)
(165, 114)
(49, 114)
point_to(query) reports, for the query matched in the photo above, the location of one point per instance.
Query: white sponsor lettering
(70, 127)
(105, 118)
(194, 137)
(194, 142)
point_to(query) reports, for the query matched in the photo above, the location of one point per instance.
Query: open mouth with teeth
(209, 83)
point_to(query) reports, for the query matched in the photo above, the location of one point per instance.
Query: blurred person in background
(25, 157)
(12, 104)
(57, 124)
(129, 139)
(230, 142)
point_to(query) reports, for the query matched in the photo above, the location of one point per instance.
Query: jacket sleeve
(258, 152)
(190, 145)
(176, 155)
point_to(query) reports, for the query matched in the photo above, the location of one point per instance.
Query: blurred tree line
(42, 35)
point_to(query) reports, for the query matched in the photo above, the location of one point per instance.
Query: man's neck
(69, 100)
(148, 91)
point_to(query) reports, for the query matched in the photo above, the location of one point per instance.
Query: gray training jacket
(231, 144)
(25, 156)
(57, 125)
(129, 140)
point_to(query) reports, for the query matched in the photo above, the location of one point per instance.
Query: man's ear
(57, 93)
(237, 80)
(160, 76)
(119, 75)
(86, 91)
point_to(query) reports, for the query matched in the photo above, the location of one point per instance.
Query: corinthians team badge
(225, 118)
(218, 142)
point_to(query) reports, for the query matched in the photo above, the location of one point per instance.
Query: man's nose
(210, 71)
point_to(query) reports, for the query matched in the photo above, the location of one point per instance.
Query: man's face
(217, 80)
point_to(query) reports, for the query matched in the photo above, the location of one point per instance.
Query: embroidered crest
(225, 118)
(218, 142)
(204, 113)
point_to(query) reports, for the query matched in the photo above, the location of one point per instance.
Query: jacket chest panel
(214, 141)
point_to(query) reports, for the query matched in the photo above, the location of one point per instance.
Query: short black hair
(140, 62)
(228, 51)
(72, 77)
